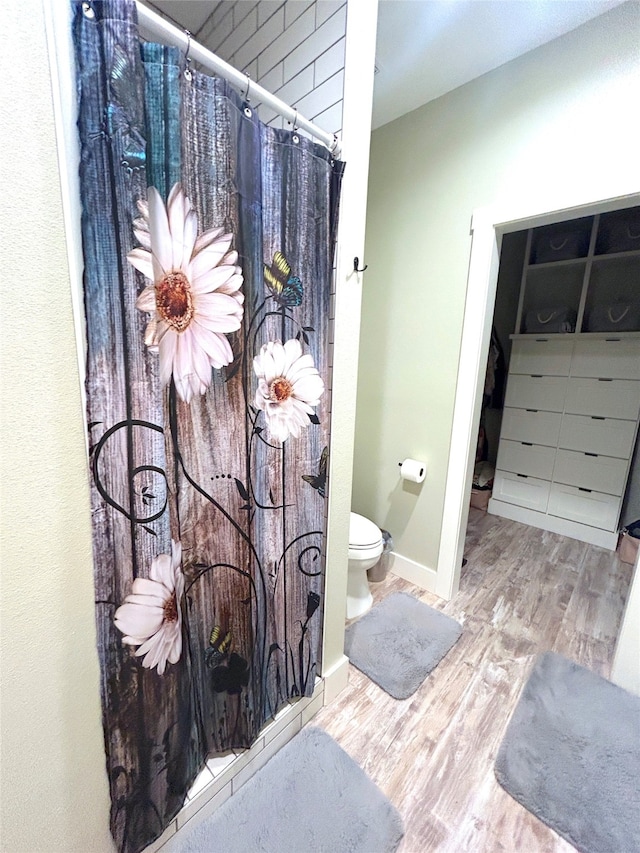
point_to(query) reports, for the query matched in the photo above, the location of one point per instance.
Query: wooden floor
(523, 591)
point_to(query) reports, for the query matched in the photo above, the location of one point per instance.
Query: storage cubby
(613, 295)
(561, 242)
(582, 276)
(551, 297)
(619, 232)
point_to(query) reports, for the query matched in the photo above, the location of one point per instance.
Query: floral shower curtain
(208, 242)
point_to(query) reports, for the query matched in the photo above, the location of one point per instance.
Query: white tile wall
(217, 30)
(295, 49)
(267, 9)
(267, 33)
(297, 88)
(316, 43)
(329, 62)
(326, 8)
(295, 9)
(327, 94)
(288, 40)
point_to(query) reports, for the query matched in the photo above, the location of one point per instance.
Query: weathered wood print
(208, 244)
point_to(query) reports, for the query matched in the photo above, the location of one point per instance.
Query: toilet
(365, 549)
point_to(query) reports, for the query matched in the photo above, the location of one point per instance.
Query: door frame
(488, 225)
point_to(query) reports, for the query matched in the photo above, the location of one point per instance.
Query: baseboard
(336, 679)
(554, 524)
(416, 573)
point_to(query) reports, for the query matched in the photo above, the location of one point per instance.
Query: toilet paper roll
(413, 470)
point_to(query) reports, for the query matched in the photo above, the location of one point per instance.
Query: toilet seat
(365, 538)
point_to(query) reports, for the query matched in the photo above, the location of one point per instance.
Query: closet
(572, 401)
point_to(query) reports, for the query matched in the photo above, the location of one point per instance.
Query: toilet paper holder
(413, 470)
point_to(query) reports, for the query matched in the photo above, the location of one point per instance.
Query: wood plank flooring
(523, 591)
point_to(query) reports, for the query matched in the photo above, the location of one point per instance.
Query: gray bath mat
(571, 755)
(311, 796)
(399, 642)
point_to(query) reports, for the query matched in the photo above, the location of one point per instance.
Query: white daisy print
(194, 299)
(151, 616)
(288, 386)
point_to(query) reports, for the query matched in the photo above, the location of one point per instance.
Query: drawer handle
(611, 340)
(542, 340)
(605, 380)
(536, 375)
(527, 443)
(580, 489)
(598, 418)
(531, 410)
(524, 476)
(591, 454)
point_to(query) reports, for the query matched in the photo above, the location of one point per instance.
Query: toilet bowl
(365, 549)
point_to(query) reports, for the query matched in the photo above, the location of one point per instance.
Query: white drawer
(592, 508)
(607, 436)
(615, 358)
(521, 490)
(531, 425)
(536, 392)
(541, 355)
(615, 398)
(532, 459)
(602, 473)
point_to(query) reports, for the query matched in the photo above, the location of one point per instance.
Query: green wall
(560, 119)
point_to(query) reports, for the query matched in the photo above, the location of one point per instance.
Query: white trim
(417, 573)
(335, 679)
(488, 226)
(554, 524)
(58, 28)
(356, 134)
(476, 331)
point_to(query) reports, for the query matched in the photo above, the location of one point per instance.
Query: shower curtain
(208, 241)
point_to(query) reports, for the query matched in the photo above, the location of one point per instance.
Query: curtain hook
(187, 71)
(295, 137)
(247, 108)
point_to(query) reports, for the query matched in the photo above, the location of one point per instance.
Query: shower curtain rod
(154, 25)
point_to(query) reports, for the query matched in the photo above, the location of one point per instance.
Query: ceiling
(190, 14)
(426, 48)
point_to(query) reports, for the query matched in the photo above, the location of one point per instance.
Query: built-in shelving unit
(573, 393)
(582, 276)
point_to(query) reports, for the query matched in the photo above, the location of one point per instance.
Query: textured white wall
(295, 49)
(560, 120)
(54, 789)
